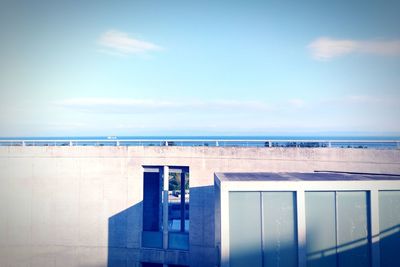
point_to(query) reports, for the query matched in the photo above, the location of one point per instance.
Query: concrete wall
(58, 204)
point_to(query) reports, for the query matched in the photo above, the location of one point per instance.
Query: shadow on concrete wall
(122, 237)
(352, 254)
(356, 254)
(125, 228)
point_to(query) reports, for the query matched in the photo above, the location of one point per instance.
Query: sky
(95, 68)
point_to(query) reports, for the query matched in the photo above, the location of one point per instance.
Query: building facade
(140, 205)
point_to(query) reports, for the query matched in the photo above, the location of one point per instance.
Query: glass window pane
(389, 224)
(245, 229)
(151, 201)
(320, 229)
(337, 225)
(353, 229)
(280, 229)
(178, 201)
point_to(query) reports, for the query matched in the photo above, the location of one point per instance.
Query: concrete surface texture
(57, 204)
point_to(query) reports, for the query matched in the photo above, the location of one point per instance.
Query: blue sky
(199, 67)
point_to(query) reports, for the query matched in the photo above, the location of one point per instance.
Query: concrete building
(307, 219)
(89, 206)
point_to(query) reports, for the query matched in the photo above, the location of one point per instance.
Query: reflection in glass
(178, 201)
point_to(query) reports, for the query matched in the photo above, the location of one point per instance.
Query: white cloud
(117, 42)
(325, 48)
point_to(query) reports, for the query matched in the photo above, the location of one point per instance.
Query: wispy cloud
(371, 101)
(132, 105)
(297, 103)
(120, 43)
(325, 48)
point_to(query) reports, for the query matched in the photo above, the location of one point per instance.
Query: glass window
(321, 229)
(178, 200)
(262, 229)
(279, 224)
(152, 210)
(338, 230)
(171, 196)
(389, 224)
(245, 229)
(353, 229)
(151, 201)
